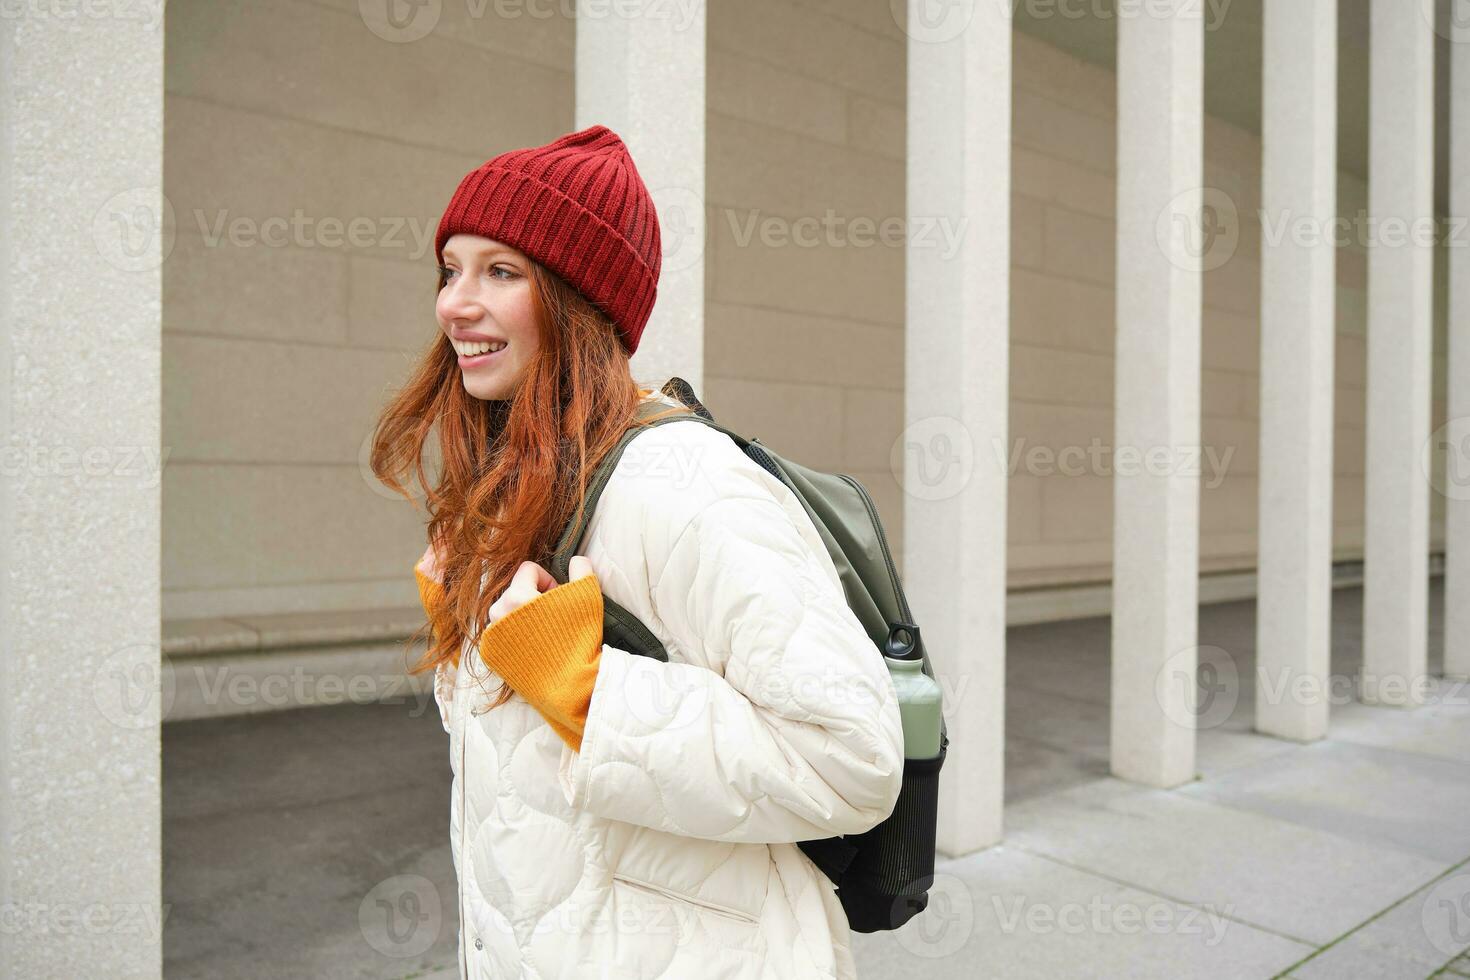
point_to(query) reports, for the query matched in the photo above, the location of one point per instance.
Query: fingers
(524, 586)
(429, 563)
(530, 580)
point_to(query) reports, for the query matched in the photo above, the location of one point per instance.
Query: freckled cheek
(523, 337)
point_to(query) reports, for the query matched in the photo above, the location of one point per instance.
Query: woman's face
(487, 298)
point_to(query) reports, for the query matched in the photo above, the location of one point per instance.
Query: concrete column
(956, 402)
(641, 72)
(1157, 395)
(1457, 435)
(1400, 277)
(1298, 289)
(81, 244)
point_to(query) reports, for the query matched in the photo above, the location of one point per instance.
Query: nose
(457, 300)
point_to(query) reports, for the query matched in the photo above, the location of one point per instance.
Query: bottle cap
(902, 642)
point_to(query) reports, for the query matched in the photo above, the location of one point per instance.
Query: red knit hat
(577, 206)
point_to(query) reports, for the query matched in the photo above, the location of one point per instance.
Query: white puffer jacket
(666, 846)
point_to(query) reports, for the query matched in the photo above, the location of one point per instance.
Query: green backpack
(883, 875)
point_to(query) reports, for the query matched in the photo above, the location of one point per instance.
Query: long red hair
(513, 472)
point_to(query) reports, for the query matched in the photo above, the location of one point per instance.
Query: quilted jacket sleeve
(787, 726)
(431, 597)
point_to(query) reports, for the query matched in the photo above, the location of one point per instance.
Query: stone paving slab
(1005, 913)
(1301, 882)
(1034, 769)
(1220, 750)
(1357, 792)
(1411, 940)
(1441, 728)
(1459, 967)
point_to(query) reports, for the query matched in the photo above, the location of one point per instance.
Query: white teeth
(473, 347)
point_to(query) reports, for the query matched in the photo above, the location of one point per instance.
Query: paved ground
(313, 843)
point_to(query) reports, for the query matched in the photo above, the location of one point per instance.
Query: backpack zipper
(903, 602)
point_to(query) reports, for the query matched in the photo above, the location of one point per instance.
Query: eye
(446, 272)
(510, 273)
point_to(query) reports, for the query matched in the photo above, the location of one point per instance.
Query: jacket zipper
(698, 903)
(903, 602)
(462, 697)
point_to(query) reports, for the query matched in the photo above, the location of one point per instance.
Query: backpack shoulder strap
(620, 627)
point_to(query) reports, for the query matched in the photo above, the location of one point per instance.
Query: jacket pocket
(683, 899)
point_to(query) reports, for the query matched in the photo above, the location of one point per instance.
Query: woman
(613, 815)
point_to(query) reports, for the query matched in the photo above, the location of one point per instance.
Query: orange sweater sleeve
(548, 651)
(431, 596)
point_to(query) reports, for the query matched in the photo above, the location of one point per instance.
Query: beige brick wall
(277, 357)
(281, 345)
(804, 345)
(794, 131)
(1062, 324)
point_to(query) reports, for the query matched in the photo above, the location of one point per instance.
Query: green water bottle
(918, 693)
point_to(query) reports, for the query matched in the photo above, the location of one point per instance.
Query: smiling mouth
(475, 360)
(475, 353)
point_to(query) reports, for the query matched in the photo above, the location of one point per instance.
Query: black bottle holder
(889, 878)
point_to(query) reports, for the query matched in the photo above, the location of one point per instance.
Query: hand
(429, 564)
(530, 582)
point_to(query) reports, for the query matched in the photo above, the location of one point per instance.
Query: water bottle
(918, 693)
